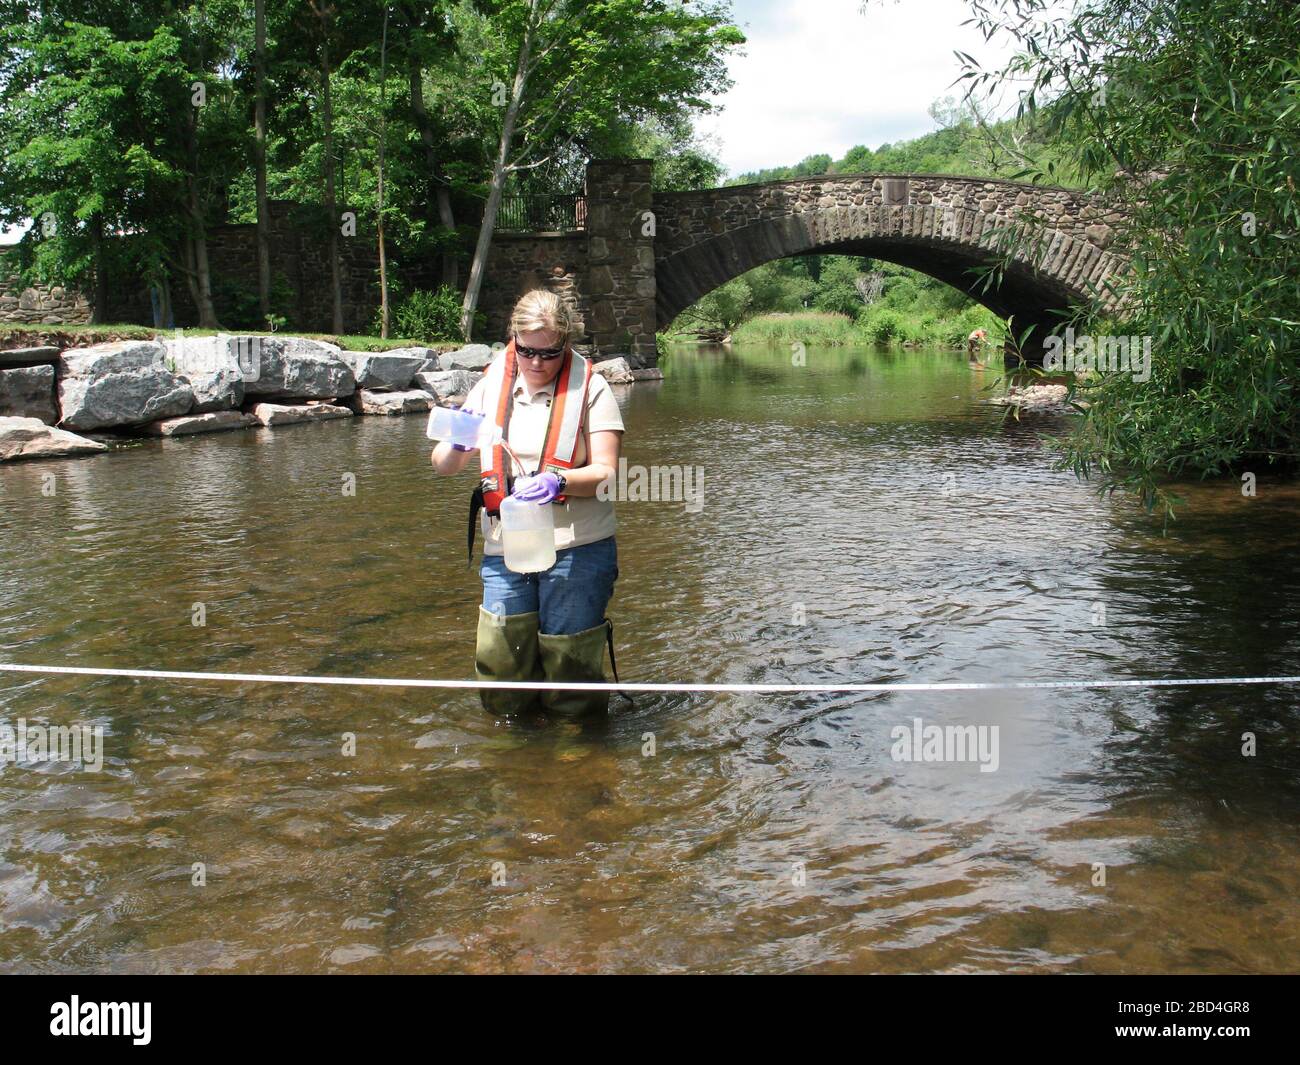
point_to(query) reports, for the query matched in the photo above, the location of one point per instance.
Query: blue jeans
(569, 597)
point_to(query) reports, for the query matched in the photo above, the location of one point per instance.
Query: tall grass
(876, 325)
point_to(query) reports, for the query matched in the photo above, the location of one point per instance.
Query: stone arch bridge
(635, 258)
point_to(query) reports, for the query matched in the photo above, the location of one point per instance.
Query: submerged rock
(211, 422)
(31, 438)
(1035, 397)
(413, 401)
(271, 414)
(120, 383)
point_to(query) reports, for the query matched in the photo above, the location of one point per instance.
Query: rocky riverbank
(80, 401)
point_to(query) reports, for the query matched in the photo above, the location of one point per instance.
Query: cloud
(12, 234)
(821, 76)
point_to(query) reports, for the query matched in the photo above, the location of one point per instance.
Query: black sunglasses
(537, 353)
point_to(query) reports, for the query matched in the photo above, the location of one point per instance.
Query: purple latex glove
(540, 489)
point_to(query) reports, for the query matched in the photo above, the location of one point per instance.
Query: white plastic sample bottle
(527, 535)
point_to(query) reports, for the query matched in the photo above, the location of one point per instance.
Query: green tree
(718, 313)
(838, 285)
(121, 125)
(812, 166)
(259, 161)
(207, 138)
(1185, 113)
(577, 67)
(85, 122)
(682, 161)
(434, 67)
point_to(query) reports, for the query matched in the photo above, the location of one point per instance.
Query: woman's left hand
(543, 488)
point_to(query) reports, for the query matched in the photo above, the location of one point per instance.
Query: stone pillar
(620, 281)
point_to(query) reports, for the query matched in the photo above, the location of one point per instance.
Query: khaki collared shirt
(581, 520)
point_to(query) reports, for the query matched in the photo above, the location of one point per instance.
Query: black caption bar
(146, 1014)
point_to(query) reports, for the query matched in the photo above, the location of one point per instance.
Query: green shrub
(954, 331)
(840, 298)
(882, 326)
(425, 315)
(901, 292)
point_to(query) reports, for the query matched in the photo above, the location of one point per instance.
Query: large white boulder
(470, 357)
(386, 369)
(28, 392)
(429, 355)
(121, 383)
(31, 438)
(447, 385)
(294, 367)
(211, 366)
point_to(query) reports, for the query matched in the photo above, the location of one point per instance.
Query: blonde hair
(540, 309)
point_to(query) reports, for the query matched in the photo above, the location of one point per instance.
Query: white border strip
(530, 685)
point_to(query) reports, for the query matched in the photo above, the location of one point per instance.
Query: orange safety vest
(563, 429)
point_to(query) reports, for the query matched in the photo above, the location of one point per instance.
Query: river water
(864, 518)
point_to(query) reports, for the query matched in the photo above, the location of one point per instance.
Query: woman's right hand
(458, 447)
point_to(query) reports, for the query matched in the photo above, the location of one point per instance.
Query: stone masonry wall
(46, 304)
(607, 273)
(300, 257)
(622, 227)
(517, 264)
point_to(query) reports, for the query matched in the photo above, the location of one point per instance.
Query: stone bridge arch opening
(644, 257)
(1020, 293)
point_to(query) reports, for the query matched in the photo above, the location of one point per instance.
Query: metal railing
(542, 213)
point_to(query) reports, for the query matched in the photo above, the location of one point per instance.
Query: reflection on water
(866, 518)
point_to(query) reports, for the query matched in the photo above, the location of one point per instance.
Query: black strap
(613, 665)
(475, 505)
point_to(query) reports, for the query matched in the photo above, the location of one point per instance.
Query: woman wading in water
(563, 425)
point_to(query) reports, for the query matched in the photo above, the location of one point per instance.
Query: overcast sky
(818, 76)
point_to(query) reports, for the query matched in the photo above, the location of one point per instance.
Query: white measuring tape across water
(541, 685)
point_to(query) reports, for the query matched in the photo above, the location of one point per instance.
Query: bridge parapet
(687, 218)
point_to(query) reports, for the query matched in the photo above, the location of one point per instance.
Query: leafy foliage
(1187, 113)
(911, 307)
(428, 315)
(100, 136)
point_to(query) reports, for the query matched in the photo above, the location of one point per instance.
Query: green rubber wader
(507, 649)
(580, 657)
